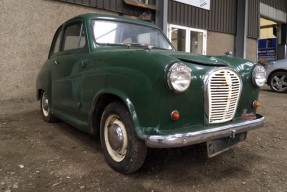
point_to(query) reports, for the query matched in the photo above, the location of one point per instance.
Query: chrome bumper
(185, 139)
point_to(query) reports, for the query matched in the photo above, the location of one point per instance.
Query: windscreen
(112, 32)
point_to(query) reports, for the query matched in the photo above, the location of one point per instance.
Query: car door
(66, 70)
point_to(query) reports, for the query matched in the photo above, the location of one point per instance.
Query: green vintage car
(123, 78)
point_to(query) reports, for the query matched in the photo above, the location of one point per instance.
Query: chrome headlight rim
(176, 85)
(259, 76)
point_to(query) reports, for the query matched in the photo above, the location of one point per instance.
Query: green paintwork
(136, 76)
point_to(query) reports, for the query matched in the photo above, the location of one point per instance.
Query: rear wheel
(123, 150)
(278, 82)
(45, 109)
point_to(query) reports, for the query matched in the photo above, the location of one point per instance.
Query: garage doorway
(268, 41)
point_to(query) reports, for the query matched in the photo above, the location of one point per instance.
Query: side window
(74, 37)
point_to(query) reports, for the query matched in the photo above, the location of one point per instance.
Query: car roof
(91, 16)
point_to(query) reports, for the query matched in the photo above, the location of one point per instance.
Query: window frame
(187, 41)
(61, 30)
(56, 35)
(96, 44)
(73, 22)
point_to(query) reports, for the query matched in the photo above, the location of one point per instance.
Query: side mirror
(228, 53)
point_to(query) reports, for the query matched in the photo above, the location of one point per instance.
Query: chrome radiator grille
(223, 91)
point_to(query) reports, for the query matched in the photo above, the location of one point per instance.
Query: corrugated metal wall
(117, 6)
(221, 17)
(254, 14)
(277, 4)
(272, 13)
(253, 19)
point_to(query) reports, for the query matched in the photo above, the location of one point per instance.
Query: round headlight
(259, 75)
(179, 77)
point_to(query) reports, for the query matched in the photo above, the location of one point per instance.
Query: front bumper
(185, 139)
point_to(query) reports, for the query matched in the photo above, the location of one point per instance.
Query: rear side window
(74, 37)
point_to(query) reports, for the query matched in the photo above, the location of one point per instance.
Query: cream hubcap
(115, 136)
(45, 104)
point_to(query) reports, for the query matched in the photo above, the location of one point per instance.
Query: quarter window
(55, 48)
(57, 43)
(74, 37)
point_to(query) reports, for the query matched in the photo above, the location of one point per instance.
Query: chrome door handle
(83, 64)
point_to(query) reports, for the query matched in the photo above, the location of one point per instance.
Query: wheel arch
(43, 83)
(39, 94)
(103, 99)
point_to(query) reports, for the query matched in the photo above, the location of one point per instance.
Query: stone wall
(251, 49)
(26, 31)
(219, 43)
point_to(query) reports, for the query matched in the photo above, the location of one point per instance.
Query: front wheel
(123, 150)
(278, 82)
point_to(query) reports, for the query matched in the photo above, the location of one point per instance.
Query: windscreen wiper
(146, 46)
(116, 44)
